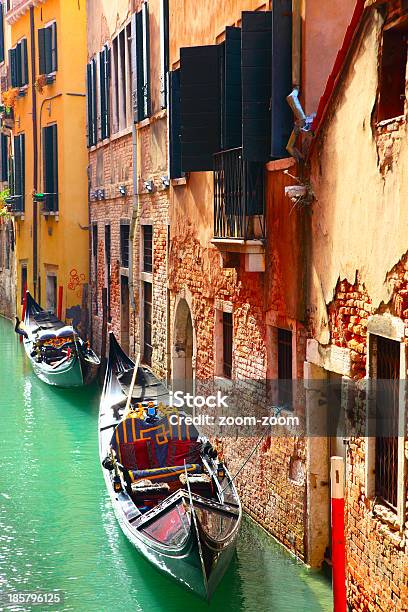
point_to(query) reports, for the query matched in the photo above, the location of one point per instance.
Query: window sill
(179, 182)
(390, 125)
(146, 277)
(223, 383)
(48, 213)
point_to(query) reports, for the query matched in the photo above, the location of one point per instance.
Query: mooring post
(60, 293)
(338, 538)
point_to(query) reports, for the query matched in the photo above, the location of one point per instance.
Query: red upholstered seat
(183, 450)
(137, 455)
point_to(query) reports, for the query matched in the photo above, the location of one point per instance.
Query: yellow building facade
(46, 98)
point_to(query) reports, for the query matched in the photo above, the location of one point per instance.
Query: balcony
(17, 8)
(239, 203)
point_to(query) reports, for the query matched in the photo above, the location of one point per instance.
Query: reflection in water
(58, 530)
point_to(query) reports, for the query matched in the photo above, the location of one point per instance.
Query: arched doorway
(183, 348)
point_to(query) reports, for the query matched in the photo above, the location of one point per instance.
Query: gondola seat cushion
(138, 454)
(183, 450)
(165, 474)
(46, 335)
(66, 332)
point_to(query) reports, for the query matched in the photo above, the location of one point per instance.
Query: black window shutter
(41, 51)
(135, 66)
(53, 47)
(146, 61)
(232, 90)
(256, 85)
(4, 158)
(174, 125)
(138, 81)
(107, 88)
(24, 62)
(2, 54)
(200, 107)
(281, 116)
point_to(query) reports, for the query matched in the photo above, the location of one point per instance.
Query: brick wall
(377, 550)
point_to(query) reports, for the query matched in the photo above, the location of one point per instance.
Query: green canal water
(58, 531)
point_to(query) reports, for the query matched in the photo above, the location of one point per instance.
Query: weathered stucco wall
(360, 217)
(324, 27)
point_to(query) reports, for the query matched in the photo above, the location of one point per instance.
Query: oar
(194, 517)
(132, 384)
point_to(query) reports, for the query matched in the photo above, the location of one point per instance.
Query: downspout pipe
(135, 212)
(35, 155)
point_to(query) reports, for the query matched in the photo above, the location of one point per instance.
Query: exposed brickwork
(266, 490)
(110, 166)
(348, 314)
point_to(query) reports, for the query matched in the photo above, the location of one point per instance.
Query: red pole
(338, 538)
(23, 312)
(59, 310)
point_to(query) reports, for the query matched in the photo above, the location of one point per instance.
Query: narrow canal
(58, 531)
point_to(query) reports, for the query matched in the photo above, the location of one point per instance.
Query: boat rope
(248, 458)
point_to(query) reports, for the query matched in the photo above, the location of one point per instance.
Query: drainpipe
(132, 231)
(35, 155)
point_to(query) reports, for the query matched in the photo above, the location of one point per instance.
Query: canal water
(58, 531)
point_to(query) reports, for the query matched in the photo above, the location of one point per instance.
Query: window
(164, 50)
(121, 80)
(285, 368)
(147, 323)
(227, 336)
(2, 53)
(95, 264)
(392, 73)
(147, 248)
(387, 411)
(104, 84)
(19, 173)
(51, 293)
(4, 153)
(23, 282)
(47, 47)
(108, 266)
(18, 64)
(91, 81)
(50, 167)
(124, 244)
(141, 64)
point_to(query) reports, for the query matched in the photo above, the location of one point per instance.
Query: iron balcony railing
(239, 196)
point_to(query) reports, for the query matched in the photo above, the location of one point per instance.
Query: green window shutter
(19, 171)
(41, 51)
(89, 102)
(94, 103)
(146, 61)
(231, 115)
(48, 50)
(13, 68)
(135, 66)
(24, 62)
(22, 162)
(2, 53)
(107, 87)
(53, 47)
(50, 165)
(18, 60)
(4, 169)
(104, 71)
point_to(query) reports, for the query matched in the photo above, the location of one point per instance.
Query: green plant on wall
(4, 212)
